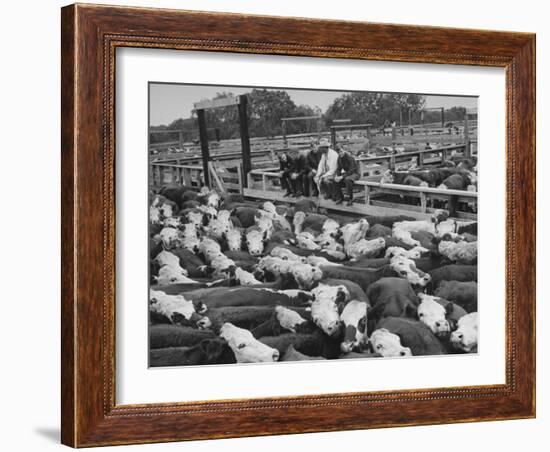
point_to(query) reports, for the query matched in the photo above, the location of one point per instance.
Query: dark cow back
(413, 334)
(453, 272)
(461, 293)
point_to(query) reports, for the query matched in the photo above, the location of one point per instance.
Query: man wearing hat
(327, 168)
(347, 172)
(311, 164)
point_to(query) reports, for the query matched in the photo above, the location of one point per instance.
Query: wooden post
(203, 136)
(240, 177)
(423, 202)
(466, 137)
(333, 137)
(180, 140)
(367, 194)
(245, 139)
(283, 126)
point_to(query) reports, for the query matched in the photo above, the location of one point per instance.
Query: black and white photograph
(300, 224)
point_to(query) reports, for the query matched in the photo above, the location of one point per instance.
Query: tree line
(266, 108)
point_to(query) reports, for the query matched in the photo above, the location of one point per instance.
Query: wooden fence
(372, 197)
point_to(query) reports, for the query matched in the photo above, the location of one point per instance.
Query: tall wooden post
(283, 126)
(203, 136)
(180, 140)
(245, 139)
(333, 137)
(442, 117)
(467, 152)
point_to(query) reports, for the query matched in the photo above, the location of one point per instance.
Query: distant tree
(371, 107)
(265, 110)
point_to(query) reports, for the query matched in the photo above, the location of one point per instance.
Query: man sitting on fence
(289, 165)
(327, 168)
(311, 164)
(347, 172)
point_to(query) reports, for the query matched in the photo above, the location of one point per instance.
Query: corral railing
(424, 157)
(173, 173)
(224, 178)
(372, 197)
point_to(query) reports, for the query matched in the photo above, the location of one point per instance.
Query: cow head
(167, 258)
(298, 221)
(439, 215)
(288, 319)
(167, 209)
(209, 248)
(332, 228)
(354, 318)
(170, 238)
(268, 206)
(174, 307)
(406, 268)
(172, 275)
(213, 199)
(172, 222)
(195, 216)
(324, 307)
(387, 177)
(433, 314)
(191, 244)
(306, 241)
(155, 215)
(246, 348)
(218, 228)
(255, 241)
(353, 232)
(286, 254)
(465, 336)
(234, 238)
(305, 275)
(388, 344)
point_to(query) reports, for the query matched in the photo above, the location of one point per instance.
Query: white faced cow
(354, 318)
(406, 268)
(388, 344)
(246, 348)
(465, 336)
(177, 309)
(324, 307)
(433, 315)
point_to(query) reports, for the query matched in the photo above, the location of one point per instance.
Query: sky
(172, 101)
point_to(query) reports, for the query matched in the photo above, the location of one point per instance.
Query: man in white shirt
(327, 168)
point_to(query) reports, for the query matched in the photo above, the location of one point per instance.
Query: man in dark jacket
(346, 174)
(311, 164)
(290, 179)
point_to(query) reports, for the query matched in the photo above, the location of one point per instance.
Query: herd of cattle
(235, 281)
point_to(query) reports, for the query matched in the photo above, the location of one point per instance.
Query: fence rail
(266, 185)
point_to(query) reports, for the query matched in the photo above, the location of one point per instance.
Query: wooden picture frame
(90, 35)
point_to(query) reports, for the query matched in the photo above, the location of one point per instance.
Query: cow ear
(411, 311)
(362, 325)
(449, 308)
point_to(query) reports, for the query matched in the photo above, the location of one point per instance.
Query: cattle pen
(249, 165)
(372, 196)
